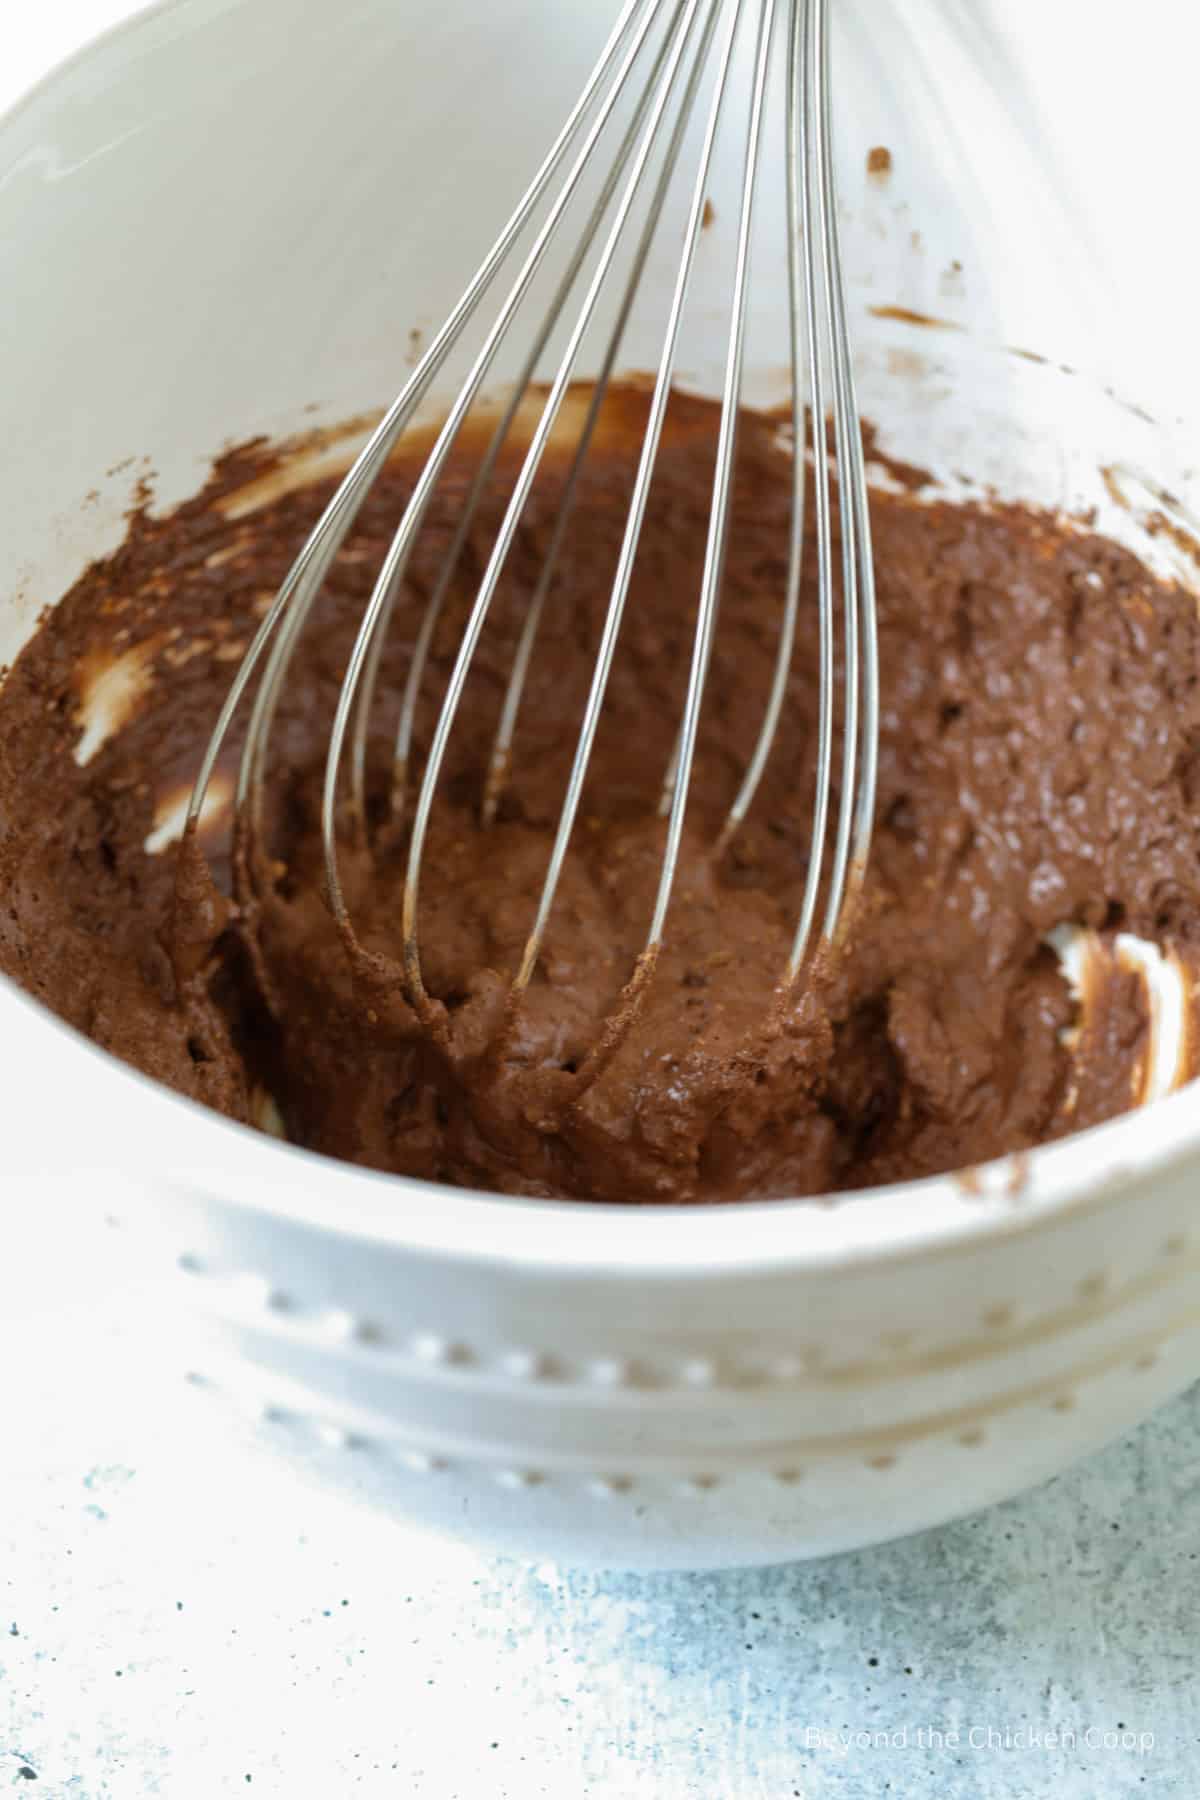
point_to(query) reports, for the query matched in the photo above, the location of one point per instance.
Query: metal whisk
(658, 54)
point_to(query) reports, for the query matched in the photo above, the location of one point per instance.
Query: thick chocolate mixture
(1039, 765)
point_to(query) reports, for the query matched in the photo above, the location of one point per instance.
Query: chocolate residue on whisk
(1039, 748)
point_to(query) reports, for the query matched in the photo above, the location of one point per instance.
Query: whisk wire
(853, 502)
(718, 526)
(816, 71)
(501, 756)
(744, 798)
(634, 516)
(307, 572)
(520, 494)
(405, 534)
(803, 274)
(676, 38)
(479, 484)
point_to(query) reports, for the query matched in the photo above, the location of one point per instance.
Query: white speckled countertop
(178, 1619)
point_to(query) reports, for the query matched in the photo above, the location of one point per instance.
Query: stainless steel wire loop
(661, 58)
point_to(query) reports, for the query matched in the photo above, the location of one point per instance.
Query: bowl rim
(214, 1159)
(236, 1164)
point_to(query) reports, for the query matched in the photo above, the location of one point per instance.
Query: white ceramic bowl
(230, 212)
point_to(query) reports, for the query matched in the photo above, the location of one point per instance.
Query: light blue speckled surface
(175, 1617)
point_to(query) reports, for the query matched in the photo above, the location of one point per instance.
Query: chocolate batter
(1039, 765)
